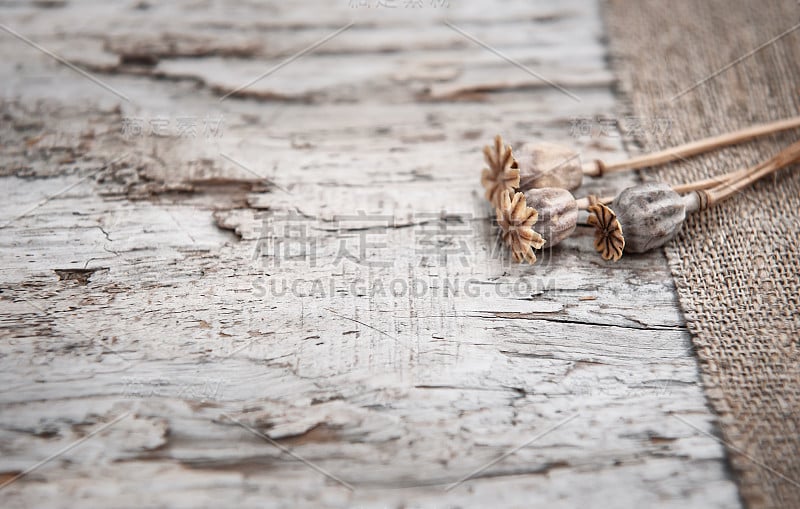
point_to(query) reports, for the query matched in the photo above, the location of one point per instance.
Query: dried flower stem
(651, 214)
(586, 202)
(710, 182)
(722, 186)
(785, 157)
(598, 168)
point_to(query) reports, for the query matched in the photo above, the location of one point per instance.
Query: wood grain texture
(389, 352)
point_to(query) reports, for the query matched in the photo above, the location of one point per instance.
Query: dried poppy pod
(551, 165)
(651, 215)
(608, 238)
(516, 221)
(558, 213)
(502, 173)
(546, 164)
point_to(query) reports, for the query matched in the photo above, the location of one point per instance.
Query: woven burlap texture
(702, 68)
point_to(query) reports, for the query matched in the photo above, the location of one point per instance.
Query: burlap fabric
(736, 267)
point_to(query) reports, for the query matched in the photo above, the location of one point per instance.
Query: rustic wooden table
(291, 296)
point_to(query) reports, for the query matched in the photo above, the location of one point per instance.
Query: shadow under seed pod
(558, 213)
(547, 164)
(651, 215)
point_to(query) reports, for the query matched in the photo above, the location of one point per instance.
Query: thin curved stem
(583, 203)
(692, 148)
(708, 183)
(785, 157)
(722, 187)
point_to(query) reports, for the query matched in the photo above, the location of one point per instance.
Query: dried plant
(516, 221)
(608, 238)
(545, 164)
(548, 165)
(653, 213)
(558, 213)
(502, 175)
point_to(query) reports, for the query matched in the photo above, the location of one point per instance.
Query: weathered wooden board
(381, 347)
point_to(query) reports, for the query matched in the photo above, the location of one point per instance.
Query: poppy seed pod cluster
(531, 193)
(652, 214)
(545, 164)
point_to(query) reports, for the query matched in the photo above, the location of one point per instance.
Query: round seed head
(558, 213)
(651, 213)
(546, 164)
